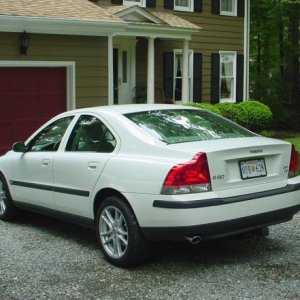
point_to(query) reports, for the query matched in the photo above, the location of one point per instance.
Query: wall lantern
(24, 43)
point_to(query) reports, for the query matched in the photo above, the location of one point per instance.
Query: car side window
(50, 137)
(91, 135)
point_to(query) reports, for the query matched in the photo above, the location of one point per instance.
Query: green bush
(251, 114)
(206, 106)
(233, 112)
(258, 115)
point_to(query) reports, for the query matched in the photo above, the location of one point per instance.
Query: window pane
(90, 134)
(124, 66)
(227, 5)
(227, 75)
(50, 137)
(184, 3)
(226, 88)
(180, 126)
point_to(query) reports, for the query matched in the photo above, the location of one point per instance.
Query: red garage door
(28, 98)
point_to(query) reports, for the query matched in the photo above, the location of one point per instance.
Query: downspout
(110, 71)
(246, 49)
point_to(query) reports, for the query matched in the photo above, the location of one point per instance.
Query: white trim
(70, 80)
(150, 71)
(60, 26)
(227, 13)
(110, 49)
(233, 99)
(190, 74)
(138, 14)
(142, 3)
(184, 8)
(246, 49)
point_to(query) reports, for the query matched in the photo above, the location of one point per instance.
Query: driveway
(42, 258)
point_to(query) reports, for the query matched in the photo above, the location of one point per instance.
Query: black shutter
(117, 1)
(240, 78)
(151, 3)
(198, 5)
(241, 8)
(168, 74)
(215, 7)
(197, 78)
(169, 4)
(215, 78)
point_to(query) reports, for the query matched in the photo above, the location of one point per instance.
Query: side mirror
(19, 147)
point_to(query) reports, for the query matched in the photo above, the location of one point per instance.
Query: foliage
(258, 115)
(274, 62)
(207, 106)
(233, 112)
(295, 141)
(253, 115)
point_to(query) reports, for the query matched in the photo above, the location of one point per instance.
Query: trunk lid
(242, 162)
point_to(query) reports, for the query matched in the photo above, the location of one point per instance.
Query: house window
(228, 7)
(227, 76)
(135, 2)
(178, 64)
(184, 5)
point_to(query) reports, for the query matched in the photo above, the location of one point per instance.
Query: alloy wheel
(3, 198)
(113, 232)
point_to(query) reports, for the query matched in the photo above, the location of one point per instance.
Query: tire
(119, 235)
(7, 209)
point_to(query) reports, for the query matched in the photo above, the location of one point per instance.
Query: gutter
(246, 49)
(43, 25)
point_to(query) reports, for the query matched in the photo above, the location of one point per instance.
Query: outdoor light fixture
(24, 43)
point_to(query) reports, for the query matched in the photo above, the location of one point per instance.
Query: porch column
(110, 71)
(150, 71)
(185, 72)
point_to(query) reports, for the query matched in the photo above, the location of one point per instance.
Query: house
(57, 55)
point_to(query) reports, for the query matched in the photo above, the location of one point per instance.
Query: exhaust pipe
(194, 240)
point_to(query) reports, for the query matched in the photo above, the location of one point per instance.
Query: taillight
(294, 163)
(189, 177)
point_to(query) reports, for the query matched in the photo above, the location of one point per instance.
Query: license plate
(253, 168)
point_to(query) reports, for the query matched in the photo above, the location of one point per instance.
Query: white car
(143, 173)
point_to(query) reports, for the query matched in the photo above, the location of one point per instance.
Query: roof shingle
(57, 9)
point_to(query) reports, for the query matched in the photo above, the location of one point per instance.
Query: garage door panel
(55, 79)
(5, 108)
(23, 129)
(28, 98)
(25, 81)
(27, 107)
(5, 83)
(51, 105)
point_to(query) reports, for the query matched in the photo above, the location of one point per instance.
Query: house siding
(88, 53)
(218, 33)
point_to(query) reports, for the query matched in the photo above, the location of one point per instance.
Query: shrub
(206, 106)
(258, 115)
(233, 112)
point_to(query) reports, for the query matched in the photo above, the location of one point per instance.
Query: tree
(274, 51)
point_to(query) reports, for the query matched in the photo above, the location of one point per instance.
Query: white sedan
(143, 173)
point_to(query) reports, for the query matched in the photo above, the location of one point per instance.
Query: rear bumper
(228, 200)
(223, 228)
(174, 219)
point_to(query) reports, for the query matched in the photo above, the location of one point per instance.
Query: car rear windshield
(186, 125)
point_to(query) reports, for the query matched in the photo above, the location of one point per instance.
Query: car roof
(130, 108)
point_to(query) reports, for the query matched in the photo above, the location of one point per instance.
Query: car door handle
(45, 162)
(93, 165)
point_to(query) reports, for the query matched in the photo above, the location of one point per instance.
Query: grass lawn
(292, 137)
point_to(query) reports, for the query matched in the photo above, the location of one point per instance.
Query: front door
(124, 71)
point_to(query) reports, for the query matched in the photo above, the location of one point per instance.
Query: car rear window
(186, 125)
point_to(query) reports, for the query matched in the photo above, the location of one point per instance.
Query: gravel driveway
(42, 258)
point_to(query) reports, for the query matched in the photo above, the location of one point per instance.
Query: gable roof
(77, 17)
(56, 9)
(82, 17)
(129, 13)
